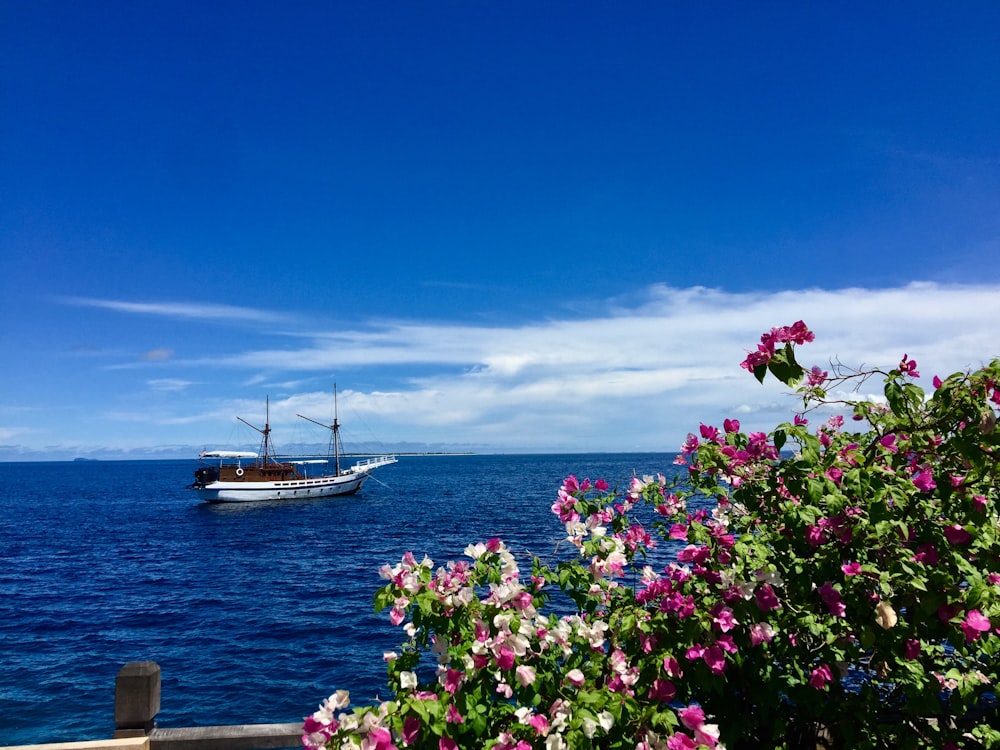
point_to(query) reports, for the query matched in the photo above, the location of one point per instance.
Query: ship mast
(334, 432)
(265, 443)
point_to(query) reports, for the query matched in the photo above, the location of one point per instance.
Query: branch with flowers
(815, 585)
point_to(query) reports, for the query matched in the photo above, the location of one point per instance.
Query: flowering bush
(821, 586)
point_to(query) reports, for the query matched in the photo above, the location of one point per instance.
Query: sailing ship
(244, 476)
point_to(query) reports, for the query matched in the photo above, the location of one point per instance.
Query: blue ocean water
(255, 612)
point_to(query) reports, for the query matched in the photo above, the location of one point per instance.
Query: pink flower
(820, 676)
(723, 618)
(662, 690)
(957, 535)
(851, 569)
(692, 717)
(411, 729)
(912, 649)
(446, 743)
(909, 367)
(815, 535)
(715, 659)
(831, 598)
(453, 716)
(816, 376)
(731, 425)
(575, 677)
(924, 481)
(452, 680)
(379, 738)
(979, 502)
(889, 443)
(975, 625)
(680, 741)
(525, 675)
(766, 598)
(539, 723)
(761, 632)
(672, 667)
(834, 475)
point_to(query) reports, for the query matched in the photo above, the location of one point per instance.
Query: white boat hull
(299, 489)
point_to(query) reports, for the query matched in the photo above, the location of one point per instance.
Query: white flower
(606, 720)
(388, 656)
(475, 551)
(407, 680)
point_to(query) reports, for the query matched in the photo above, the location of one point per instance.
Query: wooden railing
(137, 702)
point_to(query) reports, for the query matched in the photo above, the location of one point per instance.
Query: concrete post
(137, 698)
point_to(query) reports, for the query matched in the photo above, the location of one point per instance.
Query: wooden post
(137, 698)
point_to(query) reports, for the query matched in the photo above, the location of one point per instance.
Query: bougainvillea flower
(766, 598)
(956, 534)
(975, 625)
(820, 676)
(923, 481)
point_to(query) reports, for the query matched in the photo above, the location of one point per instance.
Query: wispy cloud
(171, 385)
(196, 311)
(637, 369)
(157, 355)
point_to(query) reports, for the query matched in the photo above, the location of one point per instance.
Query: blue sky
(499, 226)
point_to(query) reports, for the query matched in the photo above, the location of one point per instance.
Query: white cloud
(198, 311)
(636, 373)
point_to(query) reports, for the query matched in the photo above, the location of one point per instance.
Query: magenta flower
(505, 659)
(731, 425)
(912, 649)
(411, 729)
(766, 598)
(927, 554)
(692, 717)
(955, 534)
(723, 619)
(889, 443)
(815, 535)
(820, 676)
(924, 482)
(446, 743)
(539, 723)
(680, 741)
(851, 569)
(672, 667)
(715, 659)
(831, 598)
(908, 367)
(816, 376)
(453, 716)
(662, 690)
(975, 625)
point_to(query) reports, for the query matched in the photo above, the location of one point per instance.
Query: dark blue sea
(254, 612)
